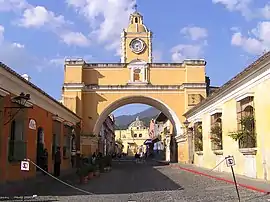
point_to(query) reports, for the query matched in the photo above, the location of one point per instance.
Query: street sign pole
(230, 163)
(24, 168)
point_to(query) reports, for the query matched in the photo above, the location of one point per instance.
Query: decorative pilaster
(150, 47)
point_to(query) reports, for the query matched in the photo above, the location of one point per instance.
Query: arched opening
(159, 105)
(40, 147)
(136, 20)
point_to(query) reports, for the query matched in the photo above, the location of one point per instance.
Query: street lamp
(21, 100)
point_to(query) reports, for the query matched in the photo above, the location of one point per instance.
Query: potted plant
(216, 136)
(90, 171)
(198, 139)
(246, 135)
(96, 172)
(83, 172)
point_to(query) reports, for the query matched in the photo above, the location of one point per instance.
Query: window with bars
(246, 123)
(216, 131)
(17, 144)
(198, 136)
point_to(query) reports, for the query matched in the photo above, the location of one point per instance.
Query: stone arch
(158, 104)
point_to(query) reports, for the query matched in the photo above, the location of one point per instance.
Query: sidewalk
(11, 188)
(242, 181)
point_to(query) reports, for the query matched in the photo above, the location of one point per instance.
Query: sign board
(25, 166)
(32, 124)
(230, 161)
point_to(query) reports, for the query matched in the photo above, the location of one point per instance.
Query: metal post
(234, 179)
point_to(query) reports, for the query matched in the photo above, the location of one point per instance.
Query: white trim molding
(196, 120)
(57, 118)
(243, 96)
(3, 92)
(215, 111)
(68, 124)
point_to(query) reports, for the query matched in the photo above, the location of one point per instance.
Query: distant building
(107, 136)
(160, 134)
(134, 137)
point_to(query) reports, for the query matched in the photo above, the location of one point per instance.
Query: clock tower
(136, 41)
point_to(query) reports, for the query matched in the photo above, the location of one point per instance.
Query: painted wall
(10, 170)
(257, 165)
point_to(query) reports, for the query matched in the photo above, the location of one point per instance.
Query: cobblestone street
(142, 182)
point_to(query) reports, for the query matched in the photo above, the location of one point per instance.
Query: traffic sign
(25, 166)
(230, 161)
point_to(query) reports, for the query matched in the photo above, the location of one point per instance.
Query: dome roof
(137, 124)
(136, 28)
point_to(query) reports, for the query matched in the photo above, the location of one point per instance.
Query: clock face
(137, 45)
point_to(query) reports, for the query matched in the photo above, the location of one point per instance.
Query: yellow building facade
(133, 137)
(235, 121)
(94, 90)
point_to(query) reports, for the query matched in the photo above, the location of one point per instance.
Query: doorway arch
(158, 104)
(40, 147)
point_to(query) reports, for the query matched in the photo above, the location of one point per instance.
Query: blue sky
(36, 36)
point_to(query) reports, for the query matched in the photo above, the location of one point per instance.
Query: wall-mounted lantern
(22, 101)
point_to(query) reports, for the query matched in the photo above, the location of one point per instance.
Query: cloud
(157, 56)
(2, 30)
(195, 33)
(39, 16)
(246, 8)
(106, 19)
(194, 49)
(243, 6)
(258, 41)
(17, 45)
(12, 5)
(186, 51)
(60, 60)
(71, 38)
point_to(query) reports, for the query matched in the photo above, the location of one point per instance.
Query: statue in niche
(137, 75)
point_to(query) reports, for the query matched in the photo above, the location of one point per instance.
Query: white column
(131, 75)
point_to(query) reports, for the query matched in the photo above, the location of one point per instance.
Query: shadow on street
(125, 178)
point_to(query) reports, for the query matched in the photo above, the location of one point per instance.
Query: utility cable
(69, 185)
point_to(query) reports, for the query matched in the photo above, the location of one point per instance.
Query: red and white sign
(25, 166)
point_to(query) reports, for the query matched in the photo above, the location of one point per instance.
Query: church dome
(137, 124)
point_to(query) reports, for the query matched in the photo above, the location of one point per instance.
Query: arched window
(136, 74)
(135, 135)
(136, 20)
(140, 135)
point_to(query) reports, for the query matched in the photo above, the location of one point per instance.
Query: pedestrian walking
(94, 158)
(57, 162)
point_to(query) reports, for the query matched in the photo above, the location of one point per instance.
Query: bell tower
(136, 40)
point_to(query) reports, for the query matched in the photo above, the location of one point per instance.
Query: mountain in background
(123, 121)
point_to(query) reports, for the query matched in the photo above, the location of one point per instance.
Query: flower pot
(83, 179)
(97, 173)
(90, 175)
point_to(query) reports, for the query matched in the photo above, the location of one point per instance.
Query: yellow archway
(178, 129)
